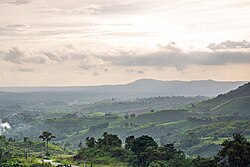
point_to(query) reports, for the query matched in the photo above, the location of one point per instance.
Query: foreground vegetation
(142, 151)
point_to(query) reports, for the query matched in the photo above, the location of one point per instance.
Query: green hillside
(224, 102)
(239, 105)
(221, 129)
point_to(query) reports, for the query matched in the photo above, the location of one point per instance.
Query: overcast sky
(93, 42)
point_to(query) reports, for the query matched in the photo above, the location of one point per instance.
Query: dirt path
(220, 105)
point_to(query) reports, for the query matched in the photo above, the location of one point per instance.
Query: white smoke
(4, 126)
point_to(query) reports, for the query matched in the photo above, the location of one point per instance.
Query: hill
(234, 101)
(139, 88)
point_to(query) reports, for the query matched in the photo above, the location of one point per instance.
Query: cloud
(14, 27)
(18, 56)
(170, 47)
(230, 45)
(14, 55)
(169, 56)
(14, 30)
(104, 8)
(55, 56)
(16, 2)
(92, 61)
(17, 25)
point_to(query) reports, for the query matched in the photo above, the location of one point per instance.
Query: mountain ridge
(144, 88)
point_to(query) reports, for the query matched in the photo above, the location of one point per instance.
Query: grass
(240, 105)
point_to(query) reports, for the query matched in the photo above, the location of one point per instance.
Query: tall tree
(90, 142)
(128, 142)
(109, 140)
(47, 136)
(141, 143)
(235, 153)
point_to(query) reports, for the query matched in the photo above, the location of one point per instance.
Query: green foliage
(109, 140)
(179, 160)
(128, 142)
(25, 148)
(235, 152)
(112, 156)
(47, 136)
(140, 144)
(19, 162)
(90, 142)
(157, 164)
(203, 162)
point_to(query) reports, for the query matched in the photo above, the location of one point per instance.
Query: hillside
(237, 100)
(240, 105)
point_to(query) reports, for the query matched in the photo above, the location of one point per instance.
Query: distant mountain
(185, 88)
(141, 88)
(235, 101)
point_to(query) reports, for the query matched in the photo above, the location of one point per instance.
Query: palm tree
(47, 136)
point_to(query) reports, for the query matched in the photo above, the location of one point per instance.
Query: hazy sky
(89, 42)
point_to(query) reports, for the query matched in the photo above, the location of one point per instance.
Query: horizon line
(115, 84)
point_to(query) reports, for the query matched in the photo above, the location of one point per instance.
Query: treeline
(143, 151)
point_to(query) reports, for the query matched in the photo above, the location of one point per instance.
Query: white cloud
(18, 56)
(173, 56)
(230, 45)
(91, 61)
(118, 34)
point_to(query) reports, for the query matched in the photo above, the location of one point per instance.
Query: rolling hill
(235, 101)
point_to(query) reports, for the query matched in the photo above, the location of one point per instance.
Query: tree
(109, 140)
(27, 142)
(157, 164)
(126, 116)
(47, 136)
(168, 151)
(179, 160)
(203, 162)
(90, 142)
(128, 142)
(132, 116)
(80, 145)
(149, 155)
(141, 143)
(235, 153)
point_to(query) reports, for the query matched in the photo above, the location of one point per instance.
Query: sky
(96, 42)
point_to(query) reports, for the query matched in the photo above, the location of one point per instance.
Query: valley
(196, 125)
